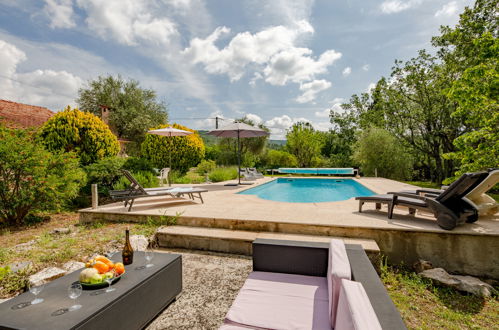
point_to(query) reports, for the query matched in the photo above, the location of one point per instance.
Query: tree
(33, 179)
(184, 151)
(304, 143)
(80, 132)
(377, 151)
(132, 110)
(477, 94)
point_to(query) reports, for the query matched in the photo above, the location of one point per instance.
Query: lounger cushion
(281, 301)
(338, 269)
(354, 308)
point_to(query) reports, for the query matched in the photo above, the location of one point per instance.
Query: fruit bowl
(104, 284)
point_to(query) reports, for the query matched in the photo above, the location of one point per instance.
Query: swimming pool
(318, 171)
(309, 190)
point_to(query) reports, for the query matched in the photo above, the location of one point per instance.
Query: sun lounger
(254, 172)
(449, 206)
(135, 190)
(247, 175)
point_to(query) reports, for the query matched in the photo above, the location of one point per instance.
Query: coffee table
(140, 295)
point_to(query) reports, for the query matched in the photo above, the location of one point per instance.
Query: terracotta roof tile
(20, 115)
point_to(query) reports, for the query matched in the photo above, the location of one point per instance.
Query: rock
(491, 282)
(139, 242)
(20, 266)
(72, 266)
(474, 286)
(422, 265)
(60, 231)
(462, 283)
(25, 246)
(46, 275)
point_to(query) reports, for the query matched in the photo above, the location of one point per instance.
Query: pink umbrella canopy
(238, 130)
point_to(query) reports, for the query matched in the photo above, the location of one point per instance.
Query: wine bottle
(127, 253)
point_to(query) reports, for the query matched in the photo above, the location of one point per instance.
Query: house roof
(19, 115)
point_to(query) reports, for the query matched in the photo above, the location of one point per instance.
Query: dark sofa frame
(311, 258)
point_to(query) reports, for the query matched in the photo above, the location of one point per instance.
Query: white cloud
(127, 21)
(366, 67)
(279, 125)
(272, 49)
(49, 88)
(311, 89)
(370, 87)
(296, 65)
(346, 71)
(449, 9)
(254, 118)
(335, 106)
(60, 13)
(395, 6)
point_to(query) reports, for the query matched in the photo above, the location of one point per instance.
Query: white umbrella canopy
(239, 130)
(169, 132)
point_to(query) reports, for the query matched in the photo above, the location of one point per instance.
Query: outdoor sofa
(449, 206)
(135, 190)
(311, 285)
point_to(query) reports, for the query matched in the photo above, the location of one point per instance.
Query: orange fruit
(101, 267)
(119, 268)
(104, 260)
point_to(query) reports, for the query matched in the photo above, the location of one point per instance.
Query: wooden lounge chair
(135, 190)
(449, 206)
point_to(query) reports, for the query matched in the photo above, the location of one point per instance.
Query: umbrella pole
(170, 154)
(238, 159)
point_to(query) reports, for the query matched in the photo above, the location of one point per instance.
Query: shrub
(135, 164)
(105, 173)
(81, 132)
(33, 179)
(146, 179)
(278, 158)
(377, 149)
(206, 166)
(185, 151)
(223, 174)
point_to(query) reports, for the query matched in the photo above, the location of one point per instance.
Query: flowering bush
(33, 179)
(81, 132)
(185, 151)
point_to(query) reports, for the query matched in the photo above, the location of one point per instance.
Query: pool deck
(469, 248)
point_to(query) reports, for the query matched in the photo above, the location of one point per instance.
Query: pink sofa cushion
(338, 269)
(281, 301)
(354, 308)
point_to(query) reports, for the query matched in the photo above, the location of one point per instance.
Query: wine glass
(74, 291)
(149, 254)
(109, 280)
(35, 290)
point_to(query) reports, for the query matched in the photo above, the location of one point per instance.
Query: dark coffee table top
(52, 313)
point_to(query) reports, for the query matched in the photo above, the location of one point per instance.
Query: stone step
(238, 241)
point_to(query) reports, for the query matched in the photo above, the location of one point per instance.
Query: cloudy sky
(275, 61)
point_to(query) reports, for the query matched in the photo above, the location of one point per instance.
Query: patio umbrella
(239, 130)
(169, 132)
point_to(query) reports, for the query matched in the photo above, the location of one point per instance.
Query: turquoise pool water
(348, 171)
(309, 190)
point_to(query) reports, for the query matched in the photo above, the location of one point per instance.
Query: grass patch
(426, 306)
(423, 184)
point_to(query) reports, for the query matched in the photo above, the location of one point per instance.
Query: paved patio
(470, 248)
(223, 202)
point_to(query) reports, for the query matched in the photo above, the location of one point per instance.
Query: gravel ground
(211, 282)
